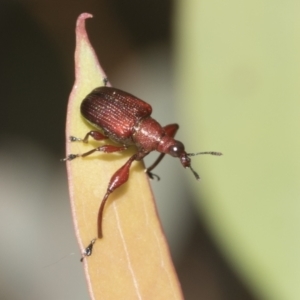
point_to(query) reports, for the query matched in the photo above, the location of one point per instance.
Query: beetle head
(176, 149)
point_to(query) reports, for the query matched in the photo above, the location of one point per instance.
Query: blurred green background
(238, 72)
(227, 72)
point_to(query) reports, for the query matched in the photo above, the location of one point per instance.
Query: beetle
(126, 120)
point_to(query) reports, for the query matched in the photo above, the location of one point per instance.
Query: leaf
(132, 261)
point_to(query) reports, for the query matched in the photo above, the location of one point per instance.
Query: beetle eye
(176, 149)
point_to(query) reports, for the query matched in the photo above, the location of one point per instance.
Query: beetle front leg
(149, 169)
(118, 179)
(105, 149)
(170, 130)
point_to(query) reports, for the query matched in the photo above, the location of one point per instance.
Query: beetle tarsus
(70, 157)
(88, 250)
(74, 139)
(105, 81)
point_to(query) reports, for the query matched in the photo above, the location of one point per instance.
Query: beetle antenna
(207, 152)
(195, 173)
(198, 153)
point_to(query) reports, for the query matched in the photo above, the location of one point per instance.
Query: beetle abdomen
(115, 112)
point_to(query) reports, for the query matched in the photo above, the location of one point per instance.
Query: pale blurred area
(135, 43)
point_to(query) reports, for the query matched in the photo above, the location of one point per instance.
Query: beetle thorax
(147, 135)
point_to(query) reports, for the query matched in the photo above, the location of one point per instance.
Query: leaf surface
(132, 261)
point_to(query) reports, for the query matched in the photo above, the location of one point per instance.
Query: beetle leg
(105, 149)
(88, 250)
(96, 135)
(170, 130)
(105, 81)
(118, 179)
(149, 169)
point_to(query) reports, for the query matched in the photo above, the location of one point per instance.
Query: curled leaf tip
(80, 24)
(84, 16)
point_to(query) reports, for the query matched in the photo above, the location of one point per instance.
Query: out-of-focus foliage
(239, 73)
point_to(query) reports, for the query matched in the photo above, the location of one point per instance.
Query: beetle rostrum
(126, 120)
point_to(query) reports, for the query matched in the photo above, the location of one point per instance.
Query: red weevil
(126, 119)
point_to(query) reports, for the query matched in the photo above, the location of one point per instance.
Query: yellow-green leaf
(132, 261)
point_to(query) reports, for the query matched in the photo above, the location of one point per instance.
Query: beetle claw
(153, 176)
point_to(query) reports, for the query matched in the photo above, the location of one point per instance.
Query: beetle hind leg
(118, 179)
